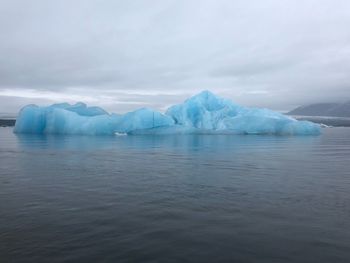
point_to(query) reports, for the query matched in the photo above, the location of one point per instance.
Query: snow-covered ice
(202, 113)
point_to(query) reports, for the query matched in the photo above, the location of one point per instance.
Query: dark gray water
(175, 198)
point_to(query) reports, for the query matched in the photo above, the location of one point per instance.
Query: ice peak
(208, 101)
(205, 95)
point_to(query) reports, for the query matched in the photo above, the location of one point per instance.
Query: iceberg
(204, 113)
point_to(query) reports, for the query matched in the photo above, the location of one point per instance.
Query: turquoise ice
(202, 113)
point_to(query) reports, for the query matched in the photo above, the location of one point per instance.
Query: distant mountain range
(323, 109)
(7, 122)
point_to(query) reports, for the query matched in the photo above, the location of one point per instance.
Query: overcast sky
(122, 55)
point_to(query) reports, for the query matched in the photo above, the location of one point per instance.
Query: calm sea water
(175, 198)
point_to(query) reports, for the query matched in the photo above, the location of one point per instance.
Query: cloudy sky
(122, 55)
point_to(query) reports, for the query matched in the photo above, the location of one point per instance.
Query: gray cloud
(127, 54)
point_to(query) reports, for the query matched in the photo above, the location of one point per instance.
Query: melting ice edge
(204, 113)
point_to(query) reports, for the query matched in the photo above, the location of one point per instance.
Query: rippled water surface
(175, 198)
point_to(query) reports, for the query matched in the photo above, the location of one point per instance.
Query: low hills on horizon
(330, 114)
(323, 109)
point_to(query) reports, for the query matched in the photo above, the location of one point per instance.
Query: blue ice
(203, 113)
